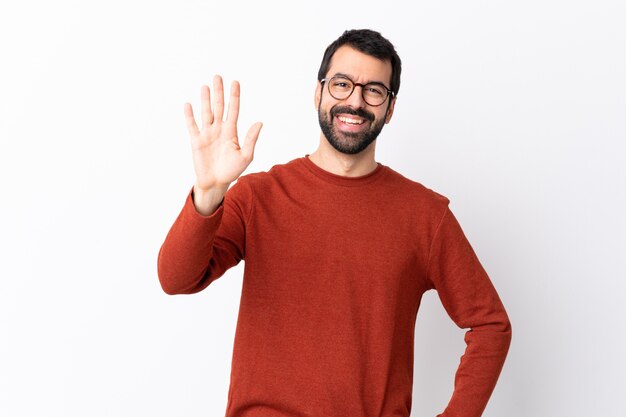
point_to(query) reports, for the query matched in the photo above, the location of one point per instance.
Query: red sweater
(335, 268)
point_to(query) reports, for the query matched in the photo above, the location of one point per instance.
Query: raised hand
(218, 158)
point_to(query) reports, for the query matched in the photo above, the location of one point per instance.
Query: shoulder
(277, 173)
(415, 191)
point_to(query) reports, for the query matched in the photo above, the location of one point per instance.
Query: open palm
(218, 157)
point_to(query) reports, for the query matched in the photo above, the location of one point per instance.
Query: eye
(341, 85)
(375, 90)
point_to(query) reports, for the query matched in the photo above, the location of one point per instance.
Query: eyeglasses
(341, 87)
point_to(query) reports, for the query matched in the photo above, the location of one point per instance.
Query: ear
(318, 95)
(392, 105)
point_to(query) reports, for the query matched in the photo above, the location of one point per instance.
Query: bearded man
(338, 251)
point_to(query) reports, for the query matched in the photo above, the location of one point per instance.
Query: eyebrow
(341, 74)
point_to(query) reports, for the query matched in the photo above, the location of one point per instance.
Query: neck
(333, 161)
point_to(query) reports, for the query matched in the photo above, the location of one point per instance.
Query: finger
(190, 120)
(205, 99)
(250, 141)
(233, 104)
(218, 98)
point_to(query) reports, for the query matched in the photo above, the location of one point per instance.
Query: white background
(514, 110)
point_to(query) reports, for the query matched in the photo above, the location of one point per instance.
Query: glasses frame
(354, 84)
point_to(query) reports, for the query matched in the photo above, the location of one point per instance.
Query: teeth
(350, 121)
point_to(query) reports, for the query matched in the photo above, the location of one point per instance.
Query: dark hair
(368, 42)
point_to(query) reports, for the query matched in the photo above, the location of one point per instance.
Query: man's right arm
(199, 248)
(193, 253)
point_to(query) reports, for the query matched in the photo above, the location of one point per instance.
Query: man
(338, 251)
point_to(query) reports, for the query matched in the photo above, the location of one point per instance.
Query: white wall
(514, 110)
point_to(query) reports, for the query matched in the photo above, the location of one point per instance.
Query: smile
(350, 120)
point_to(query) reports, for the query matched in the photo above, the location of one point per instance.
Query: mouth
(350, 120)
(349, 123)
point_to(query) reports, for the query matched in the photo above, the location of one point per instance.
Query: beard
(348, 142)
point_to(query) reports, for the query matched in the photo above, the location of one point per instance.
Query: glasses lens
(374, 94)
(340, 87)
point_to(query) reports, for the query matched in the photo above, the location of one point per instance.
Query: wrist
(207, 200)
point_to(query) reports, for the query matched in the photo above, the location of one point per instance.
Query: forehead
(361, 67)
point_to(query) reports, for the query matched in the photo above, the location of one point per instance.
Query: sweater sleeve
(471, 301)
(198, 249)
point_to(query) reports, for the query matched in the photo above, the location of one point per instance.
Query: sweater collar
(340, 179)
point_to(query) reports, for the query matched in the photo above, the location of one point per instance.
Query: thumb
(250, 141)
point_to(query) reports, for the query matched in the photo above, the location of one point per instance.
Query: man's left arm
(472, 302)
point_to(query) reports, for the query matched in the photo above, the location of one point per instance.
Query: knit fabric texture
(335, 269)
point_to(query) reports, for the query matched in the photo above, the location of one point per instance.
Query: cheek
(324, 106)
(381, 117)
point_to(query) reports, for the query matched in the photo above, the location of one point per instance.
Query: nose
(356, 98)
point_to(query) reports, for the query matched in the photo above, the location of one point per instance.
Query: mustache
(355, 112)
